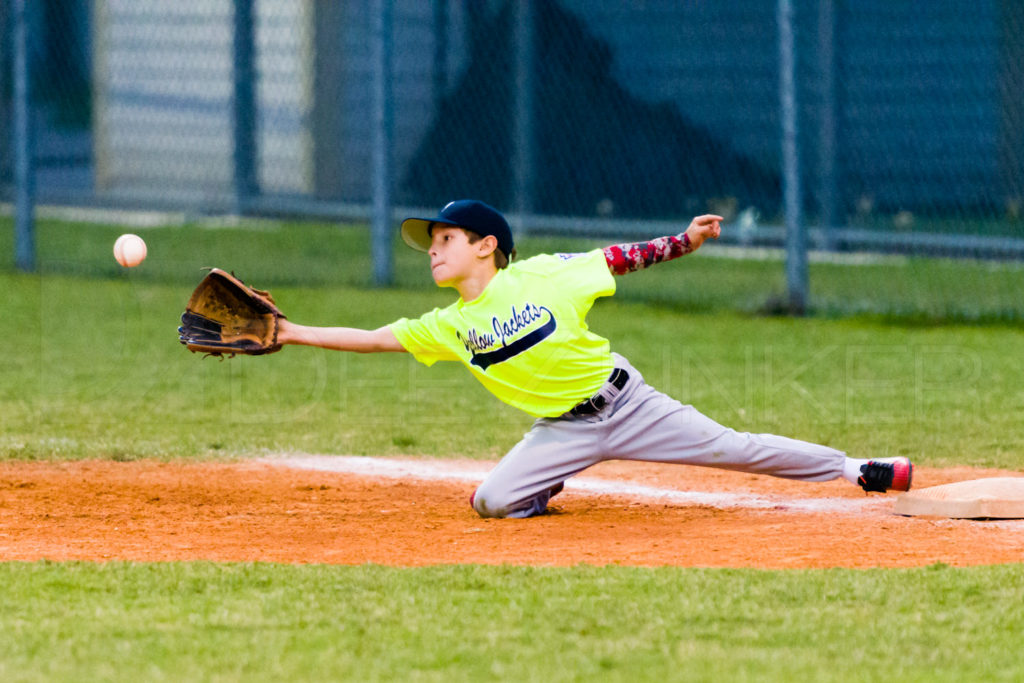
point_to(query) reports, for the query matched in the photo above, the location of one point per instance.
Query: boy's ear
(487, 245)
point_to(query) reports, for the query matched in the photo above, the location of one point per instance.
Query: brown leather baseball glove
(226, 316)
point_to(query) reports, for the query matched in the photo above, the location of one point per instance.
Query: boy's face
(452, 257)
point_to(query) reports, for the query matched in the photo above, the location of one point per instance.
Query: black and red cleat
(886, 474)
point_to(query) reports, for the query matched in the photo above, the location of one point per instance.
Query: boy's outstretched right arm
(339, 338)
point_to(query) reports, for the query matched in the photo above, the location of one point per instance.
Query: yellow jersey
(525, 338)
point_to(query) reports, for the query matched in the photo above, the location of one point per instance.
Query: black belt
(596, 404)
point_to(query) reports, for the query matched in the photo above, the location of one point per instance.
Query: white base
(994, 498)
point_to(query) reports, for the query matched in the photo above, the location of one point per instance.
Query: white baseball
(129, 250)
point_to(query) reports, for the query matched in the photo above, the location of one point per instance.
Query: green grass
(96, 369)
(99, 373)
(199, 621)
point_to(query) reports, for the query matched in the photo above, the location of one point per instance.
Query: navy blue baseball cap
(470, 214)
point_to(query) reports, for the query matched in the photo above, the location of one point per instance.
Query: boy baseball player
(520, 329)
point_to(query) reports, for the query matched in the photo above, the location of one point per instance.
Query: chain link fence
(596, 118)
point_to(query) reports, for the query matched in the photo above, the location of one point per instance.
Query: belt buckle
(592, 405)
(597, 403)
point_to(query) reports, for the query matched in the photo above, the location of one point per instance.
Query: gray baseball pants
(638, 423)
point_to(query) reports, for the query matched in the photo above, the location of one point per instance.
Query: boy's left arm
(626, 258)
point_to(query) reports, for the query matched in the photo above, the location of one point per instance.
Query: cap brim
(416, 231)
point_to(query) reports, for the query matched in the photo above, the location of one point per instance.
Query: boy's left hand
(703, 227)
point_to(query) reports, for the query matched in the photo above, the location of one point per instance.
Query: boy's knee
(487, 503)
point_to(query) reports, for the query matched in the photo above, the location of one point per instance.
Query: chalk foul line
(440, 470)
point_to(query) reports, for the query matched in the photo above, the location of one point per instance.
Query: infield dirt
(255, 511)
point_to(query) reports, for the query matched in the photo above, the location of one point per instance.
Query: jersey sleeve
(422, 337)
(584, 277)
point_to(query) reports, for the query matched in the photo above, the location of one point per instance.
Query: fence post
(1011, 109)
(827, 150)
(439, 65)
(24, 147)
(524, 129)
(6, 80)
(243, 105)
(796, 239)
(381, 233)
